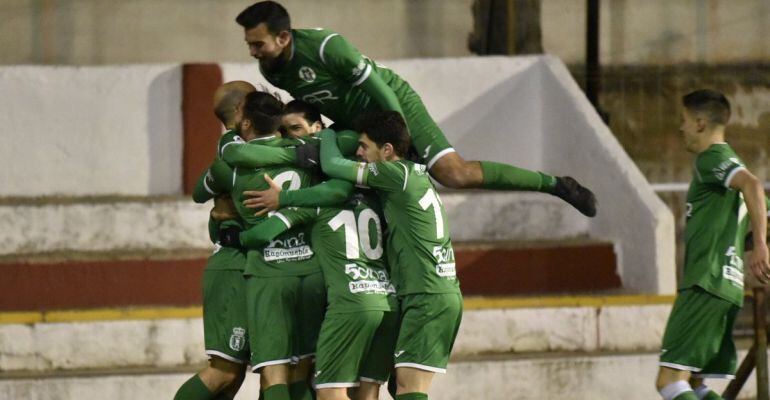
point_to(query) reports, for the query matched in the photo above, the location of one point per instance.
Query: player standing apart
(322, 68)
(698, 341)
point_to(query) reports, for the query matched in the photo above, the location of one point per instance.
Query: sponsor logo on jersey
(732, 274)
(289, 249)
(317, 373)
(399, 353)
(319, 97)
(307, 74)
(238, 339)
(446, 270)
(373, 169)
(721, 170)
(427, 152)
(420, 169)
(371, 287)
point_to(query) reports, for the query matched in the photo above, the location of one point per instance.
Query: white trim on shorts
(679, 367)
(336, 385)
(714, 376)
(269, 363)
(304, 356)
(422, 367)
(440, 154)
(212, 353)
(370, 380)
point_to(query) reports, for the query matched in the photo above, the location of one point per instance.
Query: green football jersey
(326, 71)
(419, 249)
(348, 242)
(716, 226)
(289, 254)
(207, 188)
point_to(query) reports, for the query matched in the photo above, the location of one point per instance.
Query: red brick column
(201, 128)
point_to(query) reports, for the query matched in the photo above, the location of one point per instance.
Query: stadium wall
(119, 131)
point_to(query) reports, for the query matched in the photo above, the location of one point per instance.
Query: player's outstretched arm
(328, 193)
(333, 163)
(247, 155)
(273, 226)
(754, 196)
(207, 187)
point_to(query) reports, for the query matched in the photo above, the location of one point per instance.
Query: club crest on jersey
(238, 339)
(307, 74)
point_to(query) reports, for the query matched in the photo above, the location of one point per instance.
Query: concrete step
(98, 224)
(173, 337)
(504, 377)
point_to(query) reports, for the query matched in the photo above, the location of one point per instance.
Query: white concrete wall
(90, 130)
(630, 214)
(526, 111)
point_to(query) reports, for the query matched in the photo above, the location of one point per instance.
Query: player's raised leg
(451, 170)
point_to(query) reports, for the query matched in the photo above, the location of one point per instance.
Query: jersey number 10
(359, 238)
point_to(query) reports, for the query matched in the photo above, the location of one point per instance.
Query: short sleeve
(717, 168)
(383, 175)
(346, 62)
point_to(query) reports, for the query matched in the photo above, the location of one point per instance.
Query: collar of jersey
(264, 138)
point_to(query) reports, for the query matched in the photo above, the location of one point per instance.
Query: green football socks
(300, 391)
(193, 389)
(277, 392)
(498, 176)
(412, 396)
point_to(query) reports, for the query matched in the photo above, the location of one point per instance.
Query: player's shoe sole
(577, 195)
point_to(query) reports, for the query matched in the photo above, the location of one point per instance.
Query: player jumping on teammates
(322, 68)
(698, 340)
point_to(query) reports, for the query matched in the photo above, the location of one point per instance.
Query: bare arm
(754, 196)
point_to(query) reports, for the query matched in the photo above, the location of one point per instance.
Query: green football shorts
(343, 344)
(429, 325)
(224, 314)
(379, 361)
(698, 336)
(285, 315)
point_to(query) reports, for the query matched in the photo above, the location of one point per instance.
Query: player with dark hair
(698, 339)
(419, 249)
(224, 298)
(285, 294)
(322, 68)
(301, 119)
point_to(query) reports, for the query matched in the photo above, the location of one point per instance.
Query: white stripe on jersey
(363, 77)
(323, 45)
